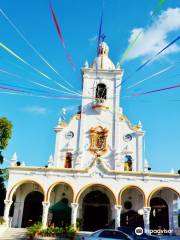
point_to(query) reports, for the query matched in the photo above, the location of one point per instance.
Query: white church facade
(97, 176)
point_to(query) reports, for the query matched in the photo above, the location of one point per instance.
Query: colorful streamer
(22, 89)
(157, 54)
(23, 93)
(161, 2)
(32, 47)
(22, 60)
(10, 89)
(156, 90)
(153, 75)
(150, 60)
(131, 44)
(70, 60)
(47, 87)
(99, 33)
(10, 74)
(57, 25)
(35, 69)
(60, 35)
(28, 43)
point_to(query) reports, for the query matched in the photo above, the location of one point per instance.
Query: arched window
(68, 160)
(101, 91)
(128, 163)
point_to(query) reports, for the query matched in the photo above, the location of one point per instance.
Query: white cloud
(155, 37)
(93, 39)
(35, 109)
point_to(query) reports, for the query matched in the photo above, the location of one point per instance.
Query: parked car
(109, 234)
(144, 236)
(163, 237)
(124, 233)
(131, 232)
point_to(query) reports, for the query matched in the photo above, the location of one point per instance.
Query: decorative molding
(63, 124)
(98, 141)
(85, 170)
(136, 128)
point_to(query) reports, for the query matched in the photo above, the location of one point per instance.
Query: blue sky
(34, 118)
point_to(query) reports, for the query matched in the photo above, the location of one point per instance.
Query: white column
(74, 207)
(18, 212)
(21, 214)
(139, 154)
(116, 128)
(118, 209)
(45, 213)
(6, 210)
(171, 225)
(175, 219)
(118, 165)
(146, 218)
(58, 160)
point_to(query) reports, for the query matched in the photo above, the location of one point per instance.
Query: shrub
(2, 221)
(63, 232)
(52, 231)
(34, 230)
(70, 231)
(79, 223)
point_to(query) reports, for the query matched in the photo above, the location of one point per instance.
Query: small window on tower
(101, 91)
(128, 163)
(68, 160)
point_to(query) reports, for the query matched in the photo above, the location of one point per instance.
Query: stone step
(14, 234)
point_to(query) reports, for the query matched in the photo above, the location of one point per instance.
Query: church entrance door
(132, 219)
(95, 211)
(159, 217)
(32, 208)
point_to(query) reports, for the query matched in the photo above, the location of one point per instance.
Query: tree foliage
(2, 191)
(5, 132)
(5, 135)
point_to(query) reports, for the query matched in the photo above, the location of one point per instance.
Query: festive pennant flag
(10, 89)
(161, 2)
(156, 90)
(10, 74)
(150, 60)
(35, 69)
(47, 87)
(22, 60)
(56, 24)
(153, 75)
(33, 48)
(100, 32)
(70, 60)
(28, 43)
(157, 54)
(131, 44)
(61, 36)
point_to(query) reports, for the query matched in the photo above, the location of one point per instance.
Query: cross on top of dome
(102, 61)
(103, 36)
(103, 49)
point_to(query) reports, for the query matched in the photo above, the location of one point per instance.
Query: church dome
(102, 61)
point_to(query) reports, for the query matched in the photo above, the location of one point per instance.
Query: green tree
(2, 191)
(5, 134)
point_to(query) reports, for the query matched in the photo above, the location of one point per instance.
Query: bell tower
(101, 81)
(100, 129)
(100, 102)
